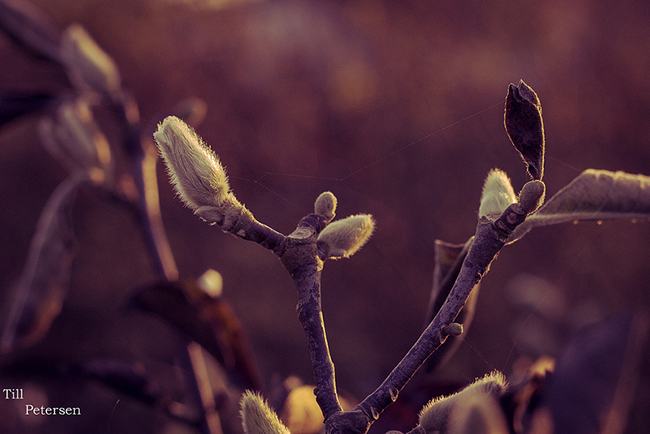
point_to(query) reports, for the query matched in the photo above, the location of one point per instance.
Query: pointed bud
(343, 238)
(75, 139)
(89, 67)
(435, 415)
(195, 171)
(524, 125)
(326, 205)
(498, 194)
(258, 417)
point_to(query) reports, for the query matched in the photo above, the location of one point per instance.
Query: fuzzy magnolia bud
(498, 194)
(74, 138)
(531, 195)
(258, 417)
(435, 415)
(195, 171)
(524, 125)
(89, 67)
(478, 414)
(326, 205)
(343, 238)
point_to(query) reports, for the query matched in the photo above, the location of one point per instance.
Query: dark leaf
(524, 125)
(29, 28)
(44, 282)
(209, 321)
(14, 106)
(595, 377)
(521, 399)
(449, 259)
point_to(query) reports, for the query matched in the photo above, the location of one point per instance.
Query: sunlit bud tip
(88, 65)
(326, 205)
(497, 195)
(258, 417)
(194, 170)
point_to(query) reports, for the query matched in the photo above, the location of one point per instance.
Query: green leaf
(593, 195)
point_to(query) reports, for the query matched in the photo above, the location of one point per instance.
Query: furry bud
(435, 415)
(343, 238)
(498, 194)
(195, 171)
(478, 414)
(89, 67)
(531, 195)
(326, 205)
(258, 417)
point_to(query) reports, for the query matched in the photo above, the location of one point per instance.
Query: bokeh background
(397, 108)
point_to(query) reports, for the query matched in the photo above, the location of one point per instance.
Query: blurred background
(395, 107)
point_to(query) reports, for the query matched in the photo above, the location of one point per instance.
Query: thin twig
(491, 236)
(298, 253)
(147, 213)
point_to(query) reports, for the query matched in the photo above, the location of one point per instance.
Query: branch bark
(300, 258)
(491, 236)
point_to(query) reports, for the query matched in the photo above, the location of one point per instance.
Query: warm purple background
(396, 107)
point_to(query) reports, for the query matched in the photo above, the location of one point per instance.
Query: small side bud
(435, 415)
(498, 194)
(343, 238)
(194, 170)
(258, 417)
(453, 329)
(525, 127)
(326, 205)
(211, 283)
(531, 195)
(89, 67)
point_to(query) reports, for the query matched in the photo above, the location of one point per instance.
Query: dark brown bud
(524, 125)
